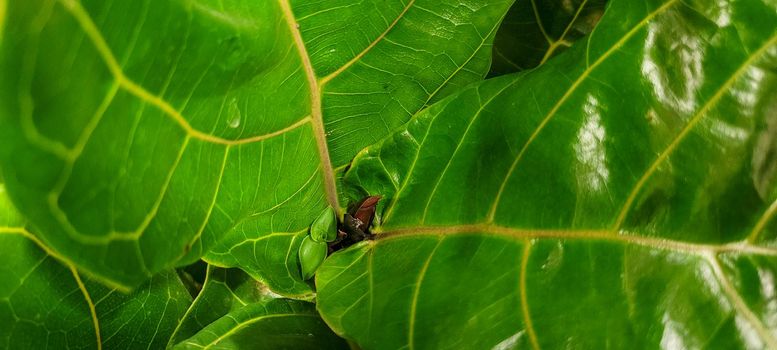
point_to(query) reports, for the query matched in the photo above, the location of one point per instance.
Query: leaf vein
(614, 48)
(740, 247)
(524, 298)
(739, 304)
(687, 129)
(89, 27)
(316, 118)
(361, 54)
(416, 293)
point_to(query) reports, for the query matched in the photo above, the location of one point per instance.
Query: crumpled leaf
(606, 199)
(140, 135)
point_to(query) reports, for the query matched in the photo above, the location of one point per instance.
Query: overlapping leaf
(534, 31)
(46, 303)
(234, 311)
(224, 290)
(140, 134)
(273, 324)
(622, 195)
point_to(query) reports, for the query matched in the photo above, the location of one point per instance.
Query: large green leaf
(137, 135)
(620, 196)
(273, 324)
(46, 303)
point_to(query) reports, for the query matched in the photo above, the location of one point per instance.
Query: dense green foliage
(611, 184)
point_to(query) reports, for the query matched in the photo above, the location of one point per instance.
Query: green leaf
(274, 324)
(534, 31)
(224, 290)
(615, 197)
(46, 303)
(142, 135)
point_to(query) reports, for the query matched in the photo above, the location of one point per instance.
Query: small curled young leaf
(324, 228)
(364, 211)
(311, 255)
(356, 223)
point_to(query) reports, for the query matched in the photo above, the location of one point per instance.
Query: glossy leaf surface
(622, 195)
(46, 303)
(139, 135)
(273, 324)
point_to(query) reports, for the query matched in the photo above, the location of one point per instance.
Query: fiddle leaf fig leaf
(607, 199)
(141, 135)
(273, 324)
(46, 303)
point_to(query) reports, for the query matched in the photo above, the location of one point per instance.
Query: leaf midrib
(317, 119)
(707, 253)
(614, 234)
(546, 119)
(624, 237)
(623, 212)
